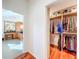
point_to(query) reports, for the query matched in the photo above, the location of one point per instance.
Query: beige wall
(18, 26)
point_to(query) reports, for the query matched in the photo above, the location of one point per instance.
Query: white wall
(39, 27)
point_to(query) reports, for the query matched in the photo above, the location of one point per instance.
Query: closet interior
(63, 30)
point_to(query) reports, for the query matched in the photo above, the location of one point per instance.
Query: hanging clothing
(75, 43)
(68, 43)
(71, 44)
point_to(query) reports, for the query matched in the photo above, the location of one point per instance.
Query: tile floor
(11, 48)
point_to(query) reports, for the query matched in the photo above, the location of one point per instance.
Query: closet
(63, 29)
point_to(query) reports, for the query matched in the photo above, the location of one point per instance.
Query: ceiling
(61, 4)
(9, 15)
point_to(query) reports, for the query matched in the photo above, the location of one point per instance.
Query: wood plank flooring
(55, 53)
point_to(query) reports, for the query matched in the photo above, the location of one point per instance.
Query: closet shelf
(69, 33)
(65, 14)
(59, 16)
(66, 33)
(70, 13)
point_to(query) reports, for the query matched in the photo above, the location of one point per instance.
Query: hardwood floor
(55, 53)
(26, 55)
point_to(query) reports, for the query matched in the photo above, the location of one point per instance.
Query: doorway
(12, 36)
(63, 30)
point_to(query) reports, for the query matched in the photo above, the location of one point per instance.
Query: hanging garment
(68, 43)
(65, 23)
(59, 42)
(75, 23)
(53, 27)
(63, 42)
(71, 44)
(60, 29)
(71, 22)
(75, 43)
(68, 24)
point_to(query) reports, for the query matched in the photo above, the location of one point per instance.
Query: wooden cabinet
(11, 35)
(8, 36)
